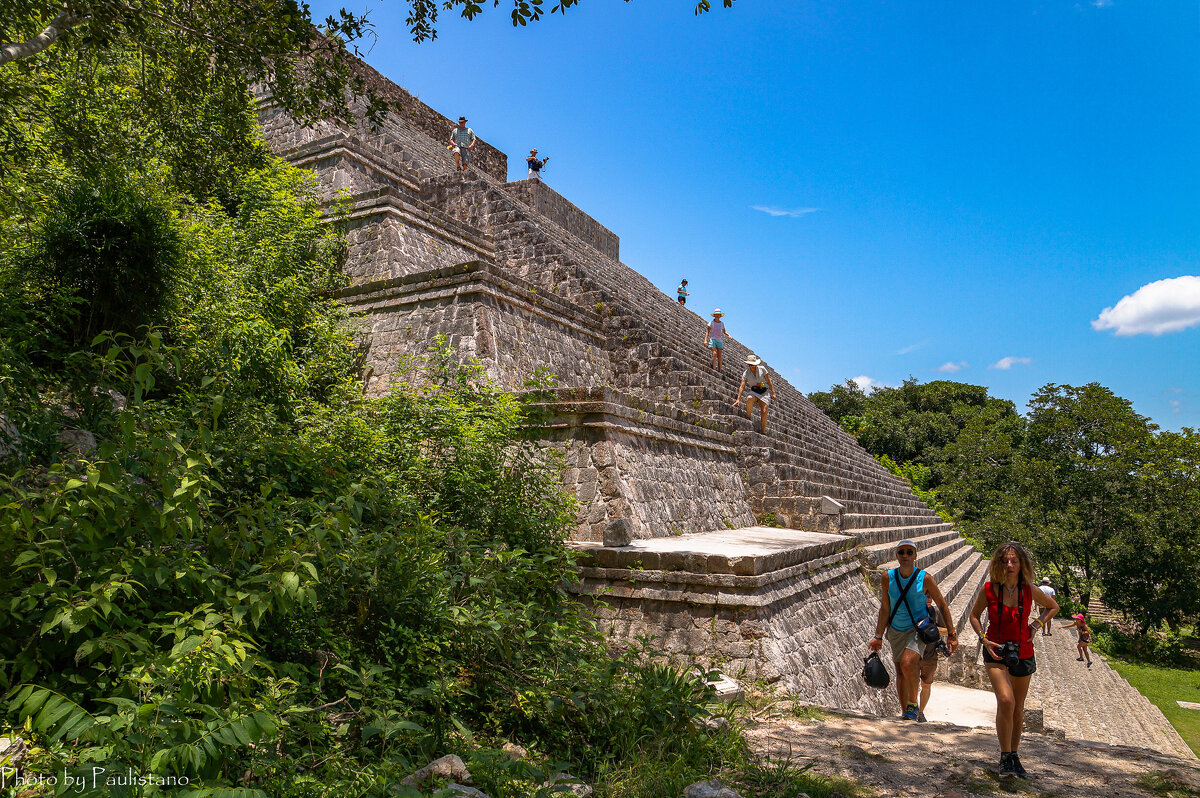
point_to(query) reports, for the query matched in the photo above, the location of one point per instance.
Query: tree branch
(14, 51)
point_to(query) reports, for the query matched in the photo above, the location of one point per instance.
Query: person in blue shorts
(681, 293)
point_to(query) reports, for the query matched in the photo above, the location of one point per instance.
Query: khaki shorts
(902, 641)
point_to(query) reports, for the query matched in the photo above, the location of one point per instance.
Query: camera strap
(1020, 607)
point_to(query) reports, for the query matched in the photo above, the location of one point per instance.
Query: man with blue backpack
(905, 619)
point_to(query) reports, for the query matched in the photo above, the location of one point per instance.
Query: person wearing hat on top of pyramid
(714, 336)
(462, 141)
(902, 594)
(535, 164)
(762, 390)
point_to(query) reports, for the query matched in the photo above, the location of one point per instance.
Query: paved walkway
(1096, 703)
(898, 759)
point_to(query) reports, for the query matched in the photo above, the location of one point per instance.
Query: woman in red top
(1009, 598)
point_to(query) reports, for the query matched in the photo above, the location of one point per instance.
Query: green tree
(1151, 567)
(1075, 481)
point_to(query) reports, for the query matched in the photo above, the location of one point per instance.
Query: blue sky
(986, 192)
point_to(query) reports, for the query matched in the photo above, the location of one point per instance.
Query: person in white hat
(714, 336)
(762, 390)
(535, 164)
(902, 593)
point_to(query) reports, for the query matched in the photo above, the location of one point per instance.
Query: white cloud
(1160, 307)
(1102, 3)
(910, 348)
(865, 383)
(950, 367)
(1176, 404)
(1005, 363)
(792, 212)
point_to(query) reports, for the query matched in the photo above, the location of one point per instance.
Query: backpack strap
(903, 595)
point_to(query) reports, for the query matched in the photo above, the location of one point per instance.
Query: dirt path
(899, 758)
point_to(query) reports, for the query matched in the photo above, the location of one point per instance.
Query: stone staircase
(1095, 703)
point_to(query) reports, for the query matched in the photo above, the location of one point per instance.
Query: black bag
(927, 631)
(875, 672)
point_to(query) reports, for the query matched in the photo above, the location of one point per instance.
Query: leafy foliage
(1098, 493)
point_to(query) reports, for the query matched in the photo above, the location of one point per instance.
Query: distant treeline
(1101, 495)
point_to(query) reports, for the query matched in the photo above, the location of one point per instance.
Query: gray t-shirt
(752, 379)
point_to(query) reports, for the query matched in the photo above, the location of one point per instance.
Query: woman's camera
(1010, 654)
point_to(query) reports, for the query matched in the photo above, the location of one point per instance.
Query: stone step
(890, 534)
(960, 606)
(880, 553)
(940, 561)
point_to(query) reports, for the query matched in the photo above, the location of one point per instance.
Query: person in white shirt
(462, 141)
(1049, 591)
(761, 391)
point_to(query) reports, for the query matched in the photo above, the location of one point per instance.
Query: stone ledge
(326, 147)
(387, 202)
(465, 281)
(721, 590)
(741, 558)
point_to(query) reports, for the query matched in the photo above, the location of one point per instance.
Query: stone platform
(778, 605)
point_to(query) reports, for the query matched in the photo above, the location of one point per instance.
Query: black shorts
(1025, 667)
(761, 390)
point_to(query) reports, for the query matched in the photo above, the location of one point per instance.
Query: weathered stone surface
(617, 533)
(77, 443)
(448, 768)
(565, 784)
(710, 789)
(12, 751)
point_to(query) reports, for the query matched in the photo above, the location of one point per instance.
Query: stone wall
(502, 322)
(558, 209)
(800, 626)
(645, 469)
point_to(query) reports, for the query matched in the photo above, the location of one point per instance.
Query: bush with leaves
(260, 579)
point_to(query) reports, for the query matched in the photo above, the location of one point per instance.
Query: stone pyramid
(752, 553)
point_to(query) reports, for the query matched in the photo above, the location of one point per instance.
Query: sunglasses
(906, 552)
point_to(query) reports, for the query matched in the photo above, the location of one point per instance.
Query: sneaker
(1007, 771)
(921, 717)
(1089, 664)
(1079, 659)
(1015, 762)
(911, 712)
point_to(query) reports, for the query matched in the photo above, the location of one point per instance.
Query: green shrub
(104, 256)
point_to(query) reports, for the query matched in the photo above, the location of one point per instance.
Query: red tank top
(1004, 625)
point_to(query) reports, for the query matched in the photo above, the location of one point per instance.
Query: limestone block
(618, 533)
(709, 789)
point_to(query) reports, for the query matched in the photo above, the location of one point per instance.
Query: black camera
(1010, 654)
(942, 648)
